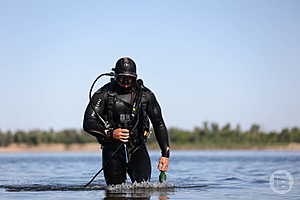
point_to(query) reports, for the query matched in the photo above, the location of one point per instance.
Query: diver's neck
(122, 90)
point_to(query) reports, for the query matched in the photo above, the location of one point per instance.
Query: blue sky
(219, 61)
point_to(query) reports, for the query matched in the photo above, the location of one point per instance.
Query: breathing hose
(105, 123)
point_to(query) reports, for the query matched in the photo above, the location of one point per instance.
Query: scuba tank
(162, 177)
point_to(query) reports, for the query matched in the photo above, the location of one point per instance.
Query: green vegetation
(36, 137)
(209, 135)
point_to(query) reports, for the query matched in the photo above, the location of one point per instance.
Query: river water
(199, 174)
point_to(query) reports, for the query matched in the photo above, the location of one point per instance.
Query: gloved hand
(121, 134)
(163, 164)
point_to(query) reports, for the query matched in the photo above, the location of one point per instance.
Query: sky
(218, 61)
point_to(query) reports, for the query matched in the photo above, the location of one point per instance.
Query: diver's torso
(123, 110)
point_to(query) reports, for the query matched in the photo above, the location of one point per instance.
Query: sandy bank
(93, 147)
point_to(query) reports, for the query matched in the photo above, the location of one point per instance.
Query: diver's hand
(163, 164)
(121, 134)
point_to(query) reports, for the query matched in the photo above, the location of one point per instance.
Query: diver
(127, 105)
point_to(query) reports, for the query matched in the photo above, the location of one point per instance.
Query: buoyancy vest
(128, 111)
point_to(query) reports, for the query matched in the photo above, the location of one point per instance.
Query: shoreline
(94, 147)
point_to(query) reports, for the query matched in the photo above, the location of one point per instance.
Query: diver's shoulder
(106, 88)
(148, 93)
(146, 90)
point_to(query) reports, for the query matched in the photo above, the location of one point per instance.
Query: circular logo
(281, 181)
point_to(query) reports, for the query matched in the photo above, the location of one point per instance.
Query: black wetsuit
(115, 105)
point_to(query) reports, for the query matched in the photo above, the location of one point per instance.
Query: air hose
(105, 123)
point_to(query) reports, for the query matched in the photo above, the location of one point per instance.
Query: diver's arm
(160, 130)
(91, 123)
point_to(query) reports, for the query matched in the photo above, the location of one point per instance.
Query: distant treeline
(212, 135)
(208, 135)
(36, 137)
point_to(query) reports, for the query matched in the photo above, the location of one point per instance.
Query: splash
(143, 186)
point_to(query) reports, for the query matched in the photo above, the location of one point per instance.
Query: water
(192, 175)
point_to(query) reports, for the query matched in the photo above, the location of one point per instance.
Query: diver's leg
(114, 166)
(139, 166)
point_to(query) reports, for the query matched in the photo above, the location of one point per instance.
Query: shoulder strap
(110, 102)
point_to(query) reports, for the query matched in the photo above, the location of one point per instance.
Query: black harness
(136, 121)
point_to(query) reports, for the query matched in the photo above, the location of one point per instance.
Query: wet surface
(192, 175)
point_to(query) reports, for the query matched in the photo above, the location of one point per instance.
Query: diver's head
(125, 73)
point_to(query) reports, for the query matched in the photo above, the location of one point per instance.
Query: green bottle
(162, 177)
